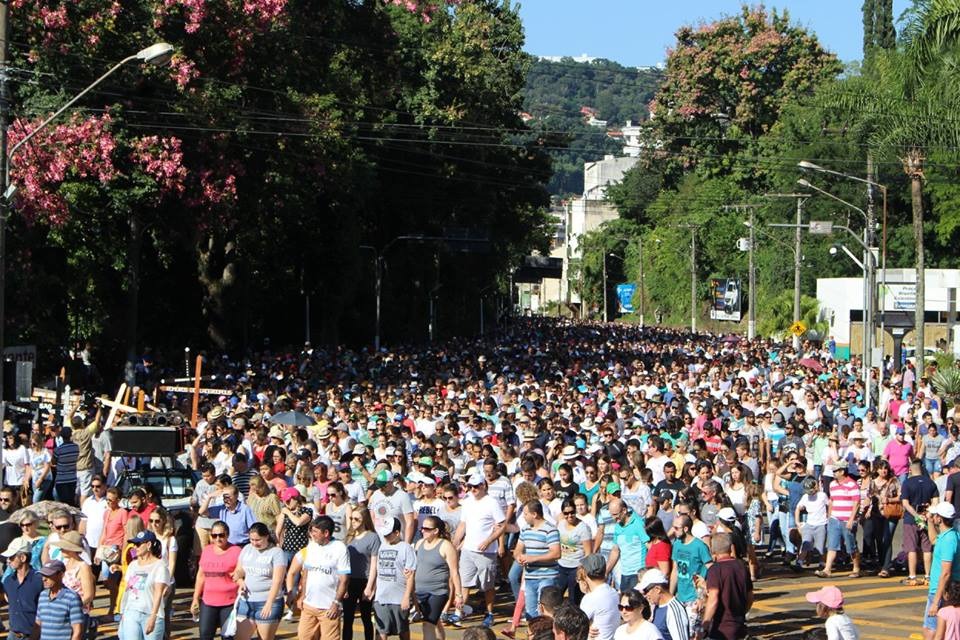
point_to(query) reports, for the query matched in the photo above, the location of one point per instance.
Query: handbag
(892, 510)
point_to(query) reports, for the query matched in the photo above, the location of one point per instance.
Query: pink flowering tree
(726, 83)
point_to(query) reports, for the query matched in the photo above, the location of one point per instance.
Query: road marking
(847, 595)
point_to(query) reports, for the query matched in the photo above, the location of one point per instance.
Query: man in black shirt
(670, 482)
(918, 492)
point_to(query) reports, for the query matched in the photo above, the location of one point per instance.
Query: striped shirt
(502, 492)
(672, 620)
(537, 542)
(843, 497)
(66, 455)
(56, 616)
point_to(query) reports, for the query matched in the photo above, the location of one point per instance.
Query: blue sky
(637, 32)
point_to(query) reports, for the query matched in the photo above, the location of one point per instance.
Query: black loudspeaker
(145, 441)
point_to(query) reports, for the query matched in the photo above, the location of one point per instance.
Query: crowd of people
(618, 482)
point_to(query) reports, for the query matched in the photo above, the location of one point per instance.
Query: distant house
(614, 133)
(526, 117)
(588, 112)
(600, 124)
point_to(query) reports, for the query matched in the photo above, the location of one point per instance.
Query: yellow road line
(862, 606)
(848, 594)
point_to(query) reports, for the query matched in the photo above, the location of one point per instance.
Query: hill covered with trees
(556, 93)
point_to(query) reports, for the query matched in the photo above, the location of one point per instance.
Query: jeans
(567, 580)
(356, 602)
(775, 534)
(212, 618)
(515, 576)
(888, 527)
(133, 623)
(932, 465)
(786, 523)
(873, 536)
(40, 492)
(531, 590)
(628, 582)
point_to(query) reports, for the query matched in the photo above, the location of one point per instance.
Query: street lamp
(871, 230)
(156, 54)
(869, 279)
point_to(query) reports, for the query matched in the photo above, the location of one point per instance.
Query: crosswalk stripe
(848, 594)
(861, 606)
(863, 622)
(838, 579)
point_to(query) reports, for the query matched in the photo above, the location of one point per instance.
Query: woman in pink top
(898, 453)
(112, 539)
(215, 590)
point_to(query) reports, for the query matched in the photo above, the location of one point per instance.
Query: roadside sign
(203, 392)
(798, 328)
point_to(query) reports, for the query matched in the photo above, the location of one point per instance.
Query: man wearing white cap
(21, 589)
(669, 616)
(945, 567)
(479, 542)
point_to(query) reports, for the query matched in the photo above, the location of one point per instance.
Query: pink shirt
(219, 589)
(951, 616)
(898, 455)
(842, 498)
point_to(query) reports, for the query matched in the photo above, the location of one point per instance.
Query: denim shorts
(929, 622)
(836, 531)
(250, 609)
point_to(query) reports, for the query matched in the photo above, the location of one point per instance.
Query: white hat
(570, 452)
(476, 480)
(944, 510)
(19, 545)
(359, 450)
(650, 578)
(389, 451)
(727, 514)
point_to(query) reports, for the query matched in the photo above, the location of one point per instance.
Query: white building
(631, 139)
(841, 305)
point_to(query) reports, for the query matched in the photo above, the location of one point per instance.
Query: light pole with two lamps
(156, 54)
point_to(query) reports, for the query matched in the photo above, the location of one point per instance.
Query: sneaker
(414, 615)
(487, 621)
(455, 620)
(288, 615)
(445, 617)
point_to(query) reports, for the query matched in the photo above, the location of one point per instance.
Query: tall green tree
(878, 29)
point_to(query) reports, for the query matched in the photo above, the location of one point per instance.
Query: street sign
(821, 227)
(798, 328)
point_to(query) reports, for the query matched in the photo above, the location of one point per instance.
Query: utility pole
(642, 289)
(797, 254)
(4, 180)
(752, 282)
(604, 286)
(693, 273)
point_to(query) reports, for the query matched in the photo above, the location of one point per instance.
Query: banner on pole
(625, 293)
(725, 297)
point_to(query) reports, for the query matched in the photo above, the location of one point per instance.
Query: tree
(878, 29)
(635, 192)
(726, 83)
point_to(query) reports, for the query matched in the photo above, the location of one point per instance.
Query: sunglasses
(24, 525)
(215, 536)
(449, 497)
(97, 486)
(428, 528)
(625, 607)
(5, 499)
(569, 513)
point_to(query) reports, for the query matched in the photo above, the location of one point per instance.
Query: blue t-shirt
(537, 542)
(691, 559)
(945, 550)
(632, 540)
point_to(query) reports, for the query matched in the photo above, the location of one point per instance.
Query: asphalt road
(882, 608)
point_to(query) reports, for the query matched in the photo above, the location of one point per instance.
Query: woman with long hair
(576, 543)
(146, 582)
(161, 523)
(215, 591)
(16, 463)
(264, 503)
(260, 573)
(41, 478)
(128, 552)
(363, 544)
(659, 549)
(312, 490)
(886, 487)
(338, 509)
(437, 566)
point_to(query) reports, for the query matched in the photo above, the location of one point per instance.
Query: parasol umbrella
(731, 339)
(811, 364)
(294, 418)
(43, 509)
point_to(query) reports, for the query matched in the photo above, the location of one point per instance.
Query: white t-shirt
(841, 627)
(646, 631)
(816, 508)
(384, 508)
(15, 463)
(483, 516)
(324, 565)
(601, 608)
(95, 510)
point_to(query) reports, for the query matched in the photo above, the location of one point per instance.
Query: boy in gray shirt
(390, 584)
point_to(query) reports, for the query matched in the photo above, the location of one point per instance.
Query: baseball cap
(727, 514)
(359, 450)
(651, 578)
(425, 461)
(613, 487)
(343, 466)
(829, 596)
(387, 527)
(289, 492)
(476, 480)
(382, 478)
(944, 510)
(52, 568)
(594, 565)
(143, 536)
(20, 545)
